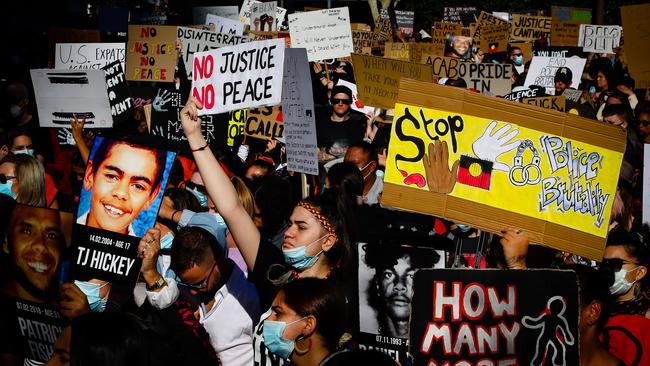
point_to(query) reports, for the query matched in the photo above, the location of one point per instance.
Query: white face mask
(621, 284)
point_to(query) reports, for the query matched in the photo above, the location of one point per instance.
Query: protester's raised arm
(219, 186)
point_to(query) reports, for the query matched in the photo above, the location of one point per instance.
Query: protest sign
(60, 94)
(67, 35)
(245, 76)
(542, 71)
(225, 25)
(199, 13)
(528, 93)
(494, 38)
(404, 19)
(87, 55)
(151, 53)
(384, 308)
(356, 104)
(459, 14)
(491, 79)
(556, 103)
(636, 17)
(486, 19)
(362, 42)
(572, 95)
(264, 123)
(418, 49)
(599, 38)
(119, 97)
(494, 317)
(528, 28)
(263, 16)
(378, 78)
(439, 34)
(565, 26)
(236, 125)
(196, 40)
(397, 50)
(324, 33)
(558, 51)
(245, 11)
(563, 169)
(299, 116)
(382, 32)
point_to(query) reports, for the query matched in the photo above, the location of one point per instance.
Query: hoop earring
(302, 351)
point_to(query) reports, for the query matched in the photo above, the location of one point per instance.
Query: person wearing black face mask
(341, 128)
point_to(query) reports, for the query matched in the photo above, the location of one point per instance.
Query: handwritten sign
(196, 40)
(486, 19)
(378, 78)
(491, 79)
(440, 32)
(225, 25)
(236, 125)
(265, 123)
(542, 71)
(119, 97)
(526, 93)
(459, 14)
(235, 77)
(529, 28)
(397, 50)
(636, 17)
(299, 116)
(87, 55)
(263, 16)
(496, 149)
(494, 317)
(418, 49)
(151, 53)
(565, 24)
(558, 51)
(599, 38)
(556, 103)
(362, 41)
(404, 19)
(494, 38)
(324, 33)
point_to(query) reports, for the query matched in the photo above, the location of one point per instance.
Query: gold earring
(302, 351)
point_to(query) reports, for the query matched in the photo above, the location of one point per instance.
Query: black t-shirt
(336, 137)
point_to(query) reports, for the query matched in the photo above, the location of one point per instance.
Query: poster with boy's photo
(385, 290)
(123, 186)
(33, 248)
(458, 46)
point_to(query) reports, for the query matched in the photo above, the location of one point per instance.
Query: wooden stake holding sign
(493, 163)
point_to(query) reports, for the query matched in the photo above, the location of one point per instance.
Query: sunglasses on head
(4, 178)
(615, 264)
(341, 101)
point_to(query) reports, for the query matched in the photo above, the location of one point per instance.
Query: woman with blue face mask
(23, 178)
(306, 322)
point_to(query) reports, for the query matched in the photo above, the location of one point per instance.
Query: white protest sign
(298, 113)
(324, 33)
(200, 12)
(263, 16)
(599, 38)
(225, 25)
(542, 71)
(356, 104)
(197, 40)
(646, 183)
(244, 76)
(281, 14)
(87, 55)
(60, 94)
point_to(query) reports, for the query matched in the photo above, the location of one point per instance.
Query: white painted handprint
(490, 146)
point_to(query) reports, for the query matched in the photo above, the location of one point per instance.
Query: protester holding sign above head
(341, 127)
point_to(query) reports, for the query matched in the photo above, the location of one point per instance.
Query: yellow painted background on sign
(502, 193)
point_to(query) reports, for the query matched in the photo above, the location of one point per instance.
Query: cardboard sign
(405, 20)
(236, 125)
(151, 53)
(528, 28)
(397, 50)
(459, 14)
(599, 38)
(298, 113)
(118, 93)
(362, 42)
(383, 307)
(225, 25)
(244, 76)
(196, 40)
(542, 71)
(559, 51)
(490, 79)
(324, 33)
(199, 13)
(572, 95)
(565, 26)
(265, 123)
(636, 17)
(520, 94)
(494, 317)
(439, 34)
(494, 150)
(60, 94)
(378, 78)
(263, 16)
(418, 49)
(87, 55)
(494, 38)
(556, 103)
(486, 19)
(383, 31)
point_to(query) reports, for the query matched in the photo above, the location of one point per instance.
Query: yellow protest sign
(236, 125)
(493, 164)
(265, 122)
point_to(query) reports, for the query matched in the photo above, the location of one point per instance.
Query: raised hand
(190, 118)
(73, 301)
(148, 251)
(490, 146)
(440, 178)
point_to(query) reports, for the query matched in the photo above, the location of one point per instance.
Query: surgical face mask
(166, 240)
(91, 290)
(519, 59)
(5, 188)
(29, 152)
(463, 228)
(298, 258)
(203, 198)
(273, 340)
(15, 111)
(621, 284)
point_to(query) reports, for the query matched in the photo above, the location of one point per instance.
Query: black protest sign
(33, 328)
(494, 317)
(460, 14)
(526, 93)
(558, 51)
(118, 93)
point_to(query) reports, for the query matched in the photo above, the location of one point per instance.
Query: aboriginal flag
(475, 172)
